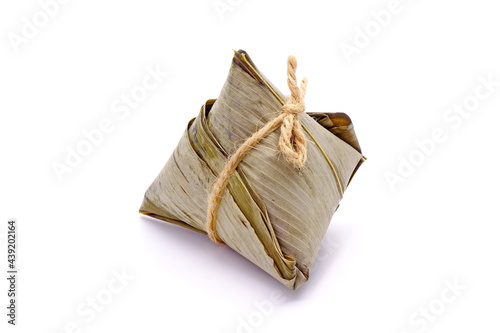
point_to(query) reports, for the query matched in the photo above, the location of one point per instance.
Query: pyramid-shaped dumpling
(271, 213)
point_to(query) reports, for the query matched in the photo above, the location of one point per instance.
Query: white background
(388, 253)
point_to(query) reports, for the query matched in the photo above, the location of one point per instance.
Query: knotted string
(292, 144)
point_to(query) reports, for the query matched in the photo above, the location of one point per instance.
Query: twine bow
(292, 138)
(292, 143)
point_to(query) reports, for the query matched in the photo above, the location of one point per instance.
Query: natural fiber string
(292, 143)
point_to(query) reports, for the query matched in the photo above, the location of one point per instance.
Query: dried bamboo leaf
(271, 213)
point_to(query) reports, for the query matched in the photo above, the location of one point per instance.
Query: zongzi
(254, 171)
